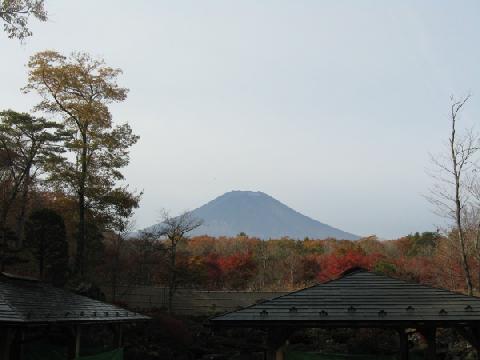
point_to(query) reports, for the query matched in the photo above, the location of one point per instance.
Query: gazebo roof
(359, 298)
(28, 301)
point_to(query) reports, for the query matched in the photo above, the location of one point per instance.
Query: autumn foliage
(246, 263)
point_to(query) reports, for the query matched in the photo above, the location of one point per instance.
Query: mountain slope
(258, 214)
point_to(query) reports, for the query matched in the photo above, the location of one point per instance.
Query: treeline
(246, 263)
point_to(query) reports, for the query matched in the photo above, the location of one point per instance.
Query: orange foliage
(244, 263)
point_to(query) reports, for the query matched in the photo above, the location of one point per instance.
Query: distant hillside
(258, 214)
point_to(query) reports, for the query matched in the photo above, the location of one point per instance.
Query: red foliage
(214, 271)
(237, 269)
(243, 263)
(332, 265)
(231, 271)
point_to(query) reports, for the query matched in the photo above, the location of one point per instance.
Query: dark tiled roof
(358, 298)
(25, 300)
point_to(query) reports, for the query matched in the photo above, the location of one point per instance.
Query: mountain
(258, 214)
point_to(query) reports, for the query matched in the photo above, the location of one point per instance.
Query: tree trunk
(173, 276)
(80, 256)
(7, 204)
(457, 168)
(116, 268)
(466, 267)
(3, 236)
(264, 274)
(20, 229)
(477, 250)
(291, 276)
(41, 255)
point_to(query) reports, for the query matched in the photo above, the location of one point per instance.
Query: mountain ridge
(260, 215)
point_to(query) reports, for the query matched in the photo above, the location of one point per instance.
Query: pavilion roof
(28, 301)
(359, 298)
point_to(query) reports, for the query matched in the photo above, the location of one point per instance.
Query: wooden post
(6, 339)
(430, 337)
(78, 338)
(118, 335)
(403, 344)
(275, 354)
(20, 345)
(74, 348)
(276, 339)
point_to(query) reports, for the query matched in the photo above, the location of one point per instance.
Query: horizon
(331, 108)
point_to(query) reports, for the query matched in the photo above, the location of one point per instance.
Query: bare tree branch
(175, 229)
(453, 176)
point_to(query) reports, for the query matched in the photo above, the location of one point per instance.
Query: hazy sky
(332, 107)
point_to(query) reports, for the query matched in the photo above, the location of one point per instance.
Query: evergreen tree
(27, 144)
(46, 238)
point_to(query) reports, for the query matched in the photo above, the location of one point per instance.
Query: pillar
(276, 339)
(118, 335)
(18, 344)
(78, 337)
(275, 354)
(74, 348)
(6, 339)
(403, 336)
(430, 337)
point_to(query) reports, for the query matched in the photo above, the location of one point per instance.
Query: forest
(245, 263)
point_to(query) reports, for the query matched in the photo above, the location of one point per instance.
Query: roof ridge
(353, 270)
(289, 293)
(24, 300)
(19, 277)
(425, 286)
(430, 287)
(376, 295)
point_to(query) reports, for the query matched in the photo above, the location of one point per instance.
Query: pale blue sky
(329, 106)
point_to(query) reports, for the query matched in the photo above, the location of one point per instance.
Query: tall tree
(16, 14)
(27, 144)
(79, 89)
(175, 229)
(449, 194)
